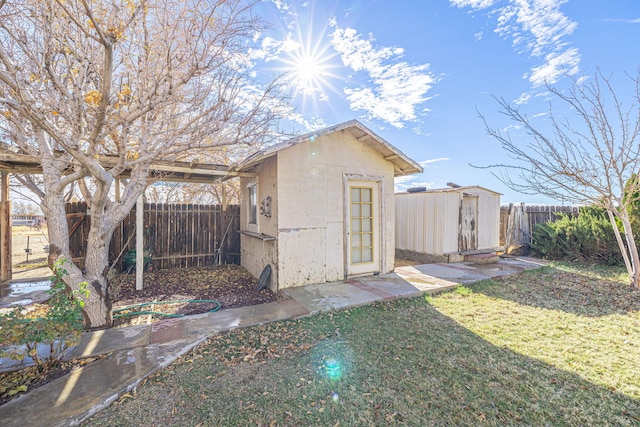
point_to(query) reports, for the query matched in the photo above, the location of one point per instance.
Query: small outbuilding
(319, 207)
(446, 224)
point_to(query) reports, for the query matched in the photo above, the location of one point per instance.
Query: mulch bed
(231, 285)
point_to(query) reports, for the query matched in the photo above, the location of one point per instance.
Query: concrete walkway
(136, 352)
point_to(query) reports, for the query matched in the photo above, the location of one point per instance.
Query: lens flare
(332, 360)
(332, 368)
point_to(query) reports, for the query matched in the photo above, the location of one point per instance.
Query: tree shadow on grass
(582, 293)
(498, 386)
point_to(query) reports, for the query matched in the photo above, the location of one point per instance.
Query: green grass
(547, 347)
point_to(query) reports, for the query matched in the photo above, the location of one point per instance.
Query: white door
(363, 228)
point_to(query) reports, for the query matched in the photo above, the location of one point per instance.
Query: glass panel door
(362, 225)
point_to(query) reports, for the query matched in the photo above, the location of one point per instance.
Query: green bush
(60, 329)
(585, 237)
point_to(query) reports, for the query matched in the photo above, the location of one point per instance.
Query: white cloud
(626, 21)
(538, 28)
(474, 4)
(426, 163)
(582, 79)
(556, 65)
(270, 48)
(478, 36)
(281, 5)
(511, 127)
(402, 183)
(539, 24)
(523, 98)
(394, 87)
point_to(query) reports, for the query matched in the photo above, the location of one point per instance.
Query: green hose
(126, 311)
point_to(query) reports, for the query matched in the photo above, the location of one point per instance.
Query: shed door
(363, 228)
(468, 237)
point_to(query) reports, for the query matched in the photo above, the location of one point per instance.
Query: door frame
(379, 242)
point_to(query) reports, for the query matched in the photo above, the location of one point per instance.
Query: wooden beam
(117, 183)
(5, 229)
(164, 170)
(4, 192)
(139, 241)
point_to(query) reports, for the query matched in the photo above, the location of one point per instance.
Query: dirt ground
(399, 262)
(28, 238)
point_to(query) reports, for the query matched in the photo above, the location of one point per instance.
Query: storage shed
(446, 224)
(319, 207)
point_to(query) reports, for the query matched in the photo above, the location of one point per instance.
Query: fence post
(5, 229)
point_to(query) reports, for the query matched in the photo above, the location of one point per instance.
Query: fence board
(533, 214)
(177, 235)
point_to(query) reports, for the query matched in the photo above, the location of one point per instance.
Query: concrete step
(486, 258)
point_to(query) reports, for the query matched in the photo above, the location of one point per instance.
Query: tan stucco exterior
(307, 184)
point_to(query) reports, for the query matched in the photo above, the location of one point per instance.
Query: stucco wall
(311, 207)
(257, 253)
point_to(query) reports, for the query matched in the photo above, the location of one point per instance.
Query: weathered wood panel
(176, 235)
(518, 219)
(467, 240)
(5, 239)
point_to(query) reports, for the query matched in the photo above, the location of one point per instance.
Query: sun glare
(309, 71)
(309, 62)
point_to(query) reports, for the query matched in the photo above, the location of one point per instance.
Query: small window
(253, 204)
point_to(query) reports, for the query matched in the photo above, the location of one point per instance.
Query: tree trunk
(623, 248)
(53, 207)
(97, 308)
(634, 274)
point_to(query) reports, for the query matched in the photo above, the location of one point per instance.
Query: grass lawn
(555, 346)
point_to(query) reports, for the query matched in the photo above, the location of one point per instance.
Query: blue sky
(416, 72)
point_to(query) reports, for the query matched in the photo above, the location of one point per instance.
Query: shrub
(585, 237)
(59, 329)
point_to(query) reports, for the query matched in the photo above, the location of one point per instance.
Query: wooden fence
(176, 235)
(518, 219)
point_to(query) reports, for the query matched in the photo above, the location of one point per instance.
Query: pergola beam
(174, 171)
(162, 170)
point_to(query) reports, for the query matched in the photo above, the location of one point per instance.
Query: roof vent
(453, 185)
(416, 189)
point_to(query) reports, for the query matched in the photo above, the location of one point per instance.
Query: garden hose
(127, 310)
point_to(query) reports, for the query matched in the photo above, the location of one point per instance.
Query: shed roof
(402, 165)
(455, 190)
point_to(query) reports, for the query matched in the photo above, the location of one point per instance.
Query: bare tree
(590, 155)
(129, 81)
